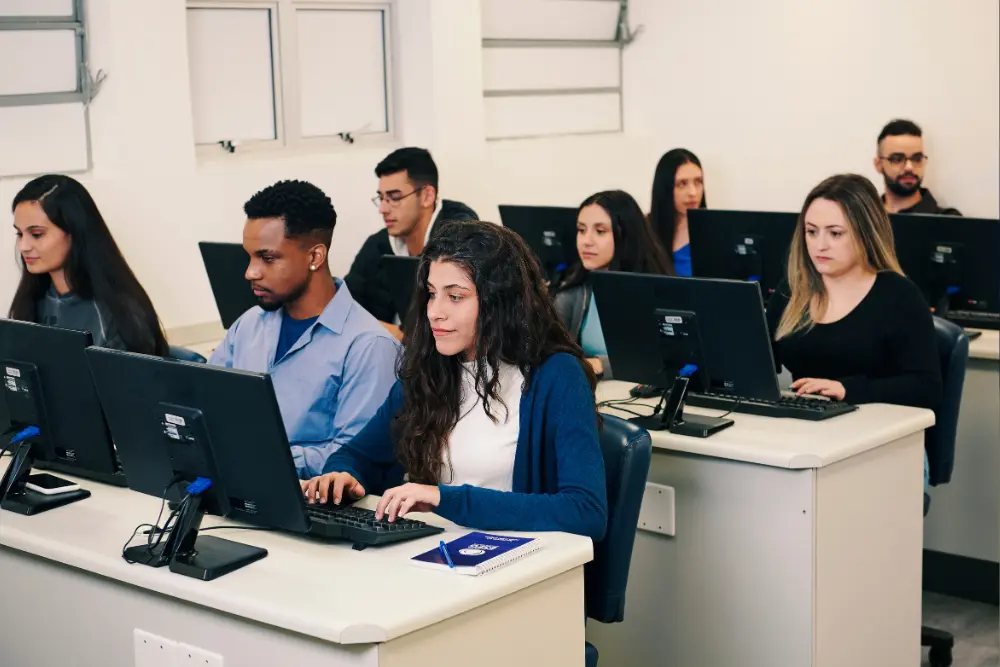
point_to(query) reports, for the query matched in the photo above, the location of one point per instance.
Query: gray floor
(976, 628)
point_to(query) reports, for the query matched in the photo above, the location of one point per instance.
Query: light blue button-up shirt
(328, 384)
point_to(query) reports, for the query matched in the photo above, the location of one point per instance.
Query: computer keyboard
(975, 318)
(359, 526)
(789, 407)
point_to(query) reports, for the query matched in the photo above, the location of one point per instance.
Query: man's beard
(294, 295)
(901, 190)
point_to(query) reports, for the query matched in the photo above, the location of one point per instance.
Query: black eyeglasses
(393, 198)
(899, 159)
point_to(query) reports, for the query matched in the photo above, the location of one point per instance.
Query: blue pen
(444, 550)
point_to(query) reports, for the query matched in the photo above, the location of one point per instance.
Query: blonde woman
(848, 324)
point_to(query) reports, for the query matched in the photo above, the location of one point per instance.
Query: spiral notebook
(478, 553)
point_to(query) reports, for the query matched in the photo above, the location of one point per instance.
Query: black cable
(155, 529)
(739, 399)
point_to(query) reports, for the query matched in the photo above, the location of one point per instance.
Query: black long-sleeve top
(883, 351)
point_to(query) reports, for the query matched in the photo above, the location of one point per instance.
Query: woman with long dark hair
(611, 234)
(492, 423)
(678, 186)
(73, 274)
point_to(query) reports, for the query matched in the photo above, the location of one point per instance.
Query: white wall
(775, 95)
(771, 110)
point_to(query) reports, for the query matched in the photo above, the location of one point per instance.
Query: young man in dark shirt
(901, 161)
(408, 201)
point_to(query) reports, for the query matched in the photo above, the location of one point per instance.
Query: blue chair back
(184, 354)
(953, 349)
(627, 450)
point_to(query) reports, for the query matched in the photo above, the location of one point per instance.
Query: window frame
(623, 37)
(87, 85)
(286, 85)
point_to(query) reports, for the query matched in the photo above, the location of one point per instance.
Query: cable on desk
(154, 528)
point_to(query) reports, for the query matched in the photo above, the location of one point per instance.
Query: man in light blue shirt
(331, 362)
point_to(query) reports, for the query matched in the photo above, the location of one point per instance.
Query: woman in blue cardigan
(492, 423)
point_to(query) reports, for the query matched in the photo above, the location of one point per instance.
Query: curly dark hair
(517, 325)
(306, 209)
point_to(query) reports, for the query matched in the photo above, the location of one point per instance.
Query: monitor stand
(21, 500)
(192, 555)
(205, 557)
(672, 418)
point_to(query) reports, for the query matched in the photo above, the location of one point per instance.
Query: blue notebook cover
(477, 553)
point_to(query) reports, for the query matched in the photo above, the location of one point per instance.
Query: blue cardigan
(558, 482)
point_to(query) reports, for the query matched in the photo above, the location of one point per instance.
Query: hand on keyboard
(831, 388)
(408, 498)
(331, 488)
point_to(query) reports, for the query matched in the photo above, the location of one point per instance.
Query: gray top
(69, 311)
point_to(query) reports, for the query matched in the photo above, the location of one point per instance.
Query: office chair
(184, 354)
(953, 349)
(626, 449)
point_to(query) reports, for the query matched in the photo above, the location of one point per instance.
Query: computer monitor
(550, 231)
(226, 266)
(954, 262)
(179, 420)
(401, 272)
(47, 384)
(726, 317)
(741, 245)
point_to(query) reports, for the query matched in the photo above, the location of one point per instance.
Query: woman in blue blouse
(611, 234)
(678, 186)
(492, 423)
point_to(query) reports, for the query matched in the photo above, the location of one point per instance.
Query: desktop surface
(388, 596)
(784, 443)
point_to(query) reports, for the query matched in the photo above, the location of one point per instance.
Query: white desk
(69, 599)
(797, 544)
(964, 518)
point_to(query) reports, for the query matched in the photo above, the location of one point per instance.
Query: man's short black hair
(416, 162)
(900, 127)
(305, 209)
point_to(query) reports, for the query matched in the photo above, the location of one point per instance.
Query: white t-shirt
(481, 452)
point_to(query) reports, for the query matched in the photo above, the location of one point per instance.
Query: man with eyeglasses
(901, 161)
(410, 207)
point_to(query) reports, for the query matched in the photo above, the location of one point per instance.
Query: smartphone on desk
(50, 485)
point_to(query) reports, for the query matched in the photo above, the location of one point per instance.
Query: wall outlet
(657, 512)
(192, 656)
(152, 650)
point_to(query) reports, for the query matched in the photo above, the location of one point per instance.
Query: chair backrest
(627, 450)
(953, 350)
(184, 354)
